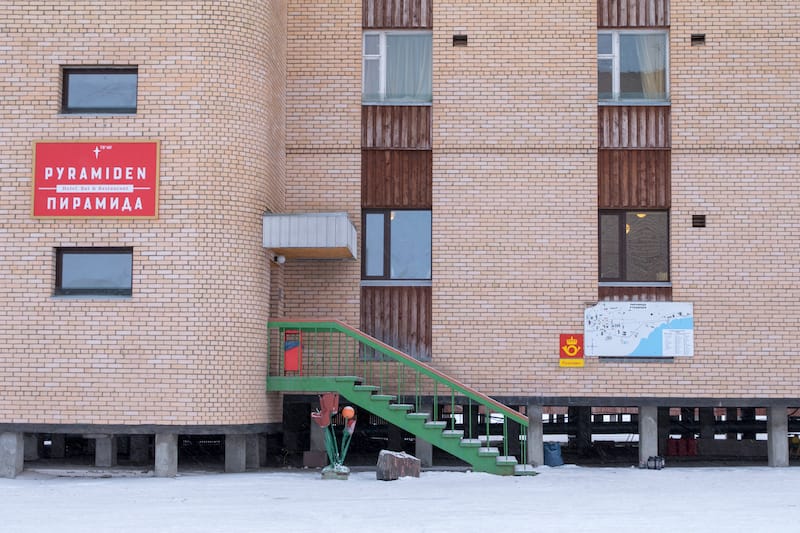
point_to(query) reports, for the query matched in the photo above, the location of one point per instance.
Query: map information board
(639, 329)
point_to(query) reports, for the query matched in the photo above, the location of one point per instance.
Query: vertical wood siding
(400, 127)
(400, 317)
(396, 178)
(382, 14)
(634, 127)
(632, 13)
(635, 294)
(630, 179)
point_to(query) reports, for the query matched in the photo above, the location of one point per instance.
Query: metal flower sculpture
(329, 406)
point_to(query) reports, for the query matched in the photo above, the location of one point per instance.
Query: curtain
(409, 60)
(650, 50)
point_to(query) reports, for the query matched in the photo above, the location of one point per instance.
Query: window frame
(90, 291)
(386, 276)
(623, 248)
(614, 56)
(68, 70)
(381, 57)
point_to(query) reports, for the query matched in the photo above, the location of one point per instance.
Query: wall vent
(698, 39)
(459, 40)
(698, 221)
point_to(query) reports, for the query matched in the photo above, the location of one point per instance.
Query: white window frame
(381, 57)
(615, 72)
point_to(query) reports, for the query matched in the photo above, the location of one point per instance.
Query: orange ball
(348, 412)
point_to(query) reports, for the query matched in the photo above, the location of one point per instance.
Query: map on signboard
(639, 329)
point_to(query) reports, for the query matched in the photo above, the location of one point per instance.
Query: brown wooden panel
(632, 13)
(383, 14)
(634, 127)
(631, 179)
(403, 127)
(400, 317)
(396, 178)
(635, 294)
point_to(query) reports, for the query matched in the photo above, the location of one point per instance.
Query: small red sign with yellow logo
(570, 350)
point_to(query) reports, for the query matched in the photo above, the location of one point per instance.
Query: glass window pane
(647, 246)
(409, 67)
(372, 44)
(643, 60)
(603, 43)
(96, 270)
(609, 247)
(106, 91)
(605, 86)
(373, 253)
(410, 244)
(372, 80)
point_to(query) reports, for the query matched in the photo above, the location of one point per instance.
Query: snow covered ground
(567, 498)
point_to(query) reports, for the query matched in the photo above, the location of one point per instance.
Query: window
(397, 245)
(397, 67)
(632, 66)
(634, 246)
(94, 271)
(99, 90)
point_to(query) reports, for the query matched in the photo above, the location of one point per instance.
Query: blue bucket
(552, 454)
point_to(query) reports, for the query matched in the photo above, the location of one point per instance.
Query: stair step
(401, 407)
(423, 416)
(452, 433)
(436, 424)
(470, 443)
(354, 379)
(488, 452)
(524, 470)
(384, 397)
(506, 460)
(368, 388)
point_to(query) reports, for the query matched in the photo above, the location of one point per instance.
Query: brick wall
(188, 347)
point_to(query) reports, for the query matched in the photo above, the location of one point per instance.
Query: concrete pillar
(535, 437)
(471, 422)
(31, 446)
(707, 422)
(581, 419)
(648, 434)
(251, 453)
(58, 446)
(317, 438)
(12, 454)
(664, 424)
(105, 451)
(235, 453)
(423, 450)
(777, 436)
(748, 415)
(395, 438)
(140, 449)
(513, 431)
(731, 415)
(166, 455)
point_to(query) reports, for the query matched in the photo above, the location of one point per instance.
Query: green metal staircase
(411, 395)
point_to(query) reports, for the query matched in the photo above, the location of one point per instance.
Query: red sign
(90, 179)
(570, 350)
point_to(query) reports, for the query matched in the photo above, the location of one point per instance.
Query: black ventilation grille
(698, 221)
(459, 40)
(698, 39)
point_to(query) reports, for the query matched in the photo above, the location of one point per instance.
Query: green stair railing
(331, 349)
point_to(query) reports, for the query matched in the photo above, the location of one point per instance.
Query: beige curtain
(651, 50)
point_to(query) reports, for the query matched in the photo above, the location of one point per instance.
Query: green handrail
(406, 360)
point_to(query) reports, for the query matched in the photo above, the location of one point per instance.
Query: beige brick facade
(187, 348)
(257, 106)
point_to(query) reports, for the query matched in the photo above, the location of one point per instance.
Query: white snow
(568, 498)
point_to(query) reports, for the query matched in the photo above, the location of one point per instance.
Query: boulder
(394, 465)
